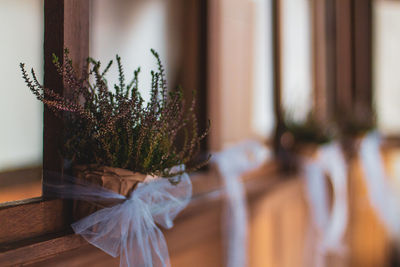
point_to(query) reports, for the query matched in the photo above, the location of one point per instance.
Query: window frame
(42, 223)
(341, 59)
(66, 24)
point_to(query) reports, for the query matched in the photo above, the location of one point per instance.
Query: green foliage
(309, 131)
(352, 125)
(115, 127)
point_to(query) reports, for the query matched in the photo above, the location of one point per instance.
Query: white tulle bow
(232, 163)
(383, 198)
(331, 223)
(129, 229)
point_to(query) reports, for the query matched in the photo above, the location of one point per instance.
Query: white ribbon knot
(381, 192)
(332, 224)
(129, 229)
(232, 163)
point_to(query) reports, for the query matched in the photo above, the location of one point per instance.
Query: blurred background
(256, 64)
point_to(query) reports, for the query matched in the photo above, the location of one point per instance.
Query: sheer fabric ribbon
(381, 194)
(232, 163)
(128, 229)
(331, 225)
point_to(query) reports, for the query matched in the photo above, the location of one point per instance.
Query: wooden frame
(38, 229)
(66, 25)
(42, 224)
(277, 69)
(28, 223)
(343, 60)
(230, 63)
(207, 199)
(341, 64)
(193, 75)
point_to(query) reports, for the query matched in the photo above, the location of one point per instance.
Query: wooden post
(66, 25)
(363, 61)
(277, 77)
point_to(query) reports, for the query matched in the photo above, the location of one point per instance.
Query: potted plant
(113, 138)
(302, 139)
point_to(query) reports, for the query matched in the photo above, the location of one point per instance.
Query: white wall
(297, 58)
(263, 106)
(387, 65)
(21, 123)
(130, 28)
(127, 27)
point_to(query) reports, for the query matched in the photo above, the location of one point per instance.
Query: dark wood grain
(353, 61)
(76, 32)
(30, 220)
(194, 241)
(41, 250)
(66, 24)
(318, 18)
(330, 56)
(363, 61)
(344, 57)
(192, 74)
(203, 214)
(20, 176)
(278, 222)
(277, 73)
(53, 44)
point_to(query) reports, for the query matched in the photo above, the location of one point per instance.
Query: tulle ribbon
(232, 163)
(128, 229)
(381, 194)
(331, 223)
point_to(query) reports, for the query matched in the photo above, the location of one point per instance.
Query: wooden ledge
(207, 195)
(41, 250)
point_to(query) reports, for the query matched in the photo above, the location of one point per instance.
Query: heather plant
(352, 125)
(309, 131)
(114, 126)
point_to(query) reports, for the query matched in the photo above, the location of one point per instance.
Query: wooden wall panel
(320, 58)
(229, 70)
(369, 245)
(278, 226)
(194, 241)
(66, 25)
(280, 234)
(30, 220)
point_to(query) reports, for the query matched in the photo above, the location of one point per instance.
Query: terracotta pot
(309, 150)
(121, 181)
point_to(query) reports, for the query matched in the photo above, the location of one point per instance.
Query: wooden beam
(30, 220)
(344, 58)
(53, 43)
(353, 60)
(66, 24)
(363, 61)
(320, 55)
(277, 69)
(208, 194)
(214, 96)
(193, 72)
